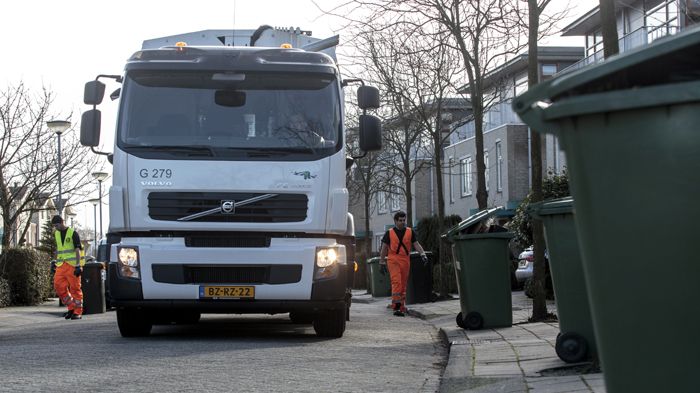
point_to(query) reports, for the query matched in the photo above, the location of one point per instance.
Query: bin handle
(535, 115)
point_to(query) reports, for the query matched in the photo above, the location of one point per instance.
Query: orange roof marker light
(181, 45)
(286, 46)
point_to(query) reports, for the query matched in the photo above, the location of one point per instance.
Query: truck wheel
(330, 323)
(301, 318)
(133, 323)
(571, 347)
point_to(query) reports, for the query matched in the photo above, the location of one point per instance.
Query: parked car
(526, 260)
(523, 274)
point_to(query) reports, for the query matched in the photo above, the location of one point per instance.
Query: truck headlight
(327, 261)
(128, 258)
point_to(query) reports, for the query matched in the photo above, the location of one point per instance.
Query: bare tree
(420, 72)
(609, 28)
(366, 179)
(28, 158)
(539, 301)
(385, 61)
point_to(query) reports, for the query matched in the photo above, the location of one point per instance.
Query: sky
(63, 44)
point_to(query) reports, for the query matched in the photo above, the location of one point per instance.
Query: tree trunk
(539, 300)
(6, 230)
(608, 21)
(442, 269)
(481, 193)
(408, 193)
(368, 239)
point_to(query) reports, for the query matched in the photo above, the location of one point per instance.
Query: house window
(486, 170)
(450, 181)
(381, 202)
(378, 242)
(466, 171)
(499, 167)
(548, 70)
(396, 199)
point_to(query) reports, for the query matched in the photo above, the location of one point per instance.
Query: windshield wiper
(274, 150)
(178, 149)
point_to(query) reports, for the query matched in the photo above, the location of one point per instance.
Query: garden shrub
(28, 274)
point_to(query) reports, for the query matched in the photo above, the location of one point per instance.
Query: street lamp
(94, 202)
(100, 177)
(71, 216)
(58, 127)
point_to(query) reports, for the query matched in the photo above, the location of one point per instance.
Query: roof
(449, 104)
(590, 21)
(519, 62)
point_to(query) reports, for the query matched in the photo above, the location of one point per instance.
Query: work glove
(53, 267)
(424, 258)
(78, 271)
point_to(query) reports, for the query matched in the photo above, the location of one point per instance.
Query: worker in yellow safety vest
(69, 262)
(396, 244)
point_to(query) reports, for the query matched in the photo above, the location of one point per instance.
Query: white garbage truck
(228, 192)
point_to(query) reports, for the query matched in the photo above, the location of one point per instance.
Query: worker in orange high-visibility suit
(396, 244)
(66, 280)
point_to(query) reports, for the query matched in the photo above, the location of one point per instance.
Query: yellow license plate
(226, 292)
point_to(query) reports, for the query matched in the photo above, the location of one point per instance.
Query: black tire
(571, 347)
(474, 321)
(301, 318)
(460, 321)
(133, 323)
(330, 323)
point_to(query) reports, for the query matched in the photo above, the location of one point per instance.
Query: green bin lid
(642, 77)
(552, 206)
(471, 221)
(373, 260)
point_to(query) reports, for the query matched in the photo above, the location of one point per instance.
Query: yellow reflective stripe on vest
(65, 250)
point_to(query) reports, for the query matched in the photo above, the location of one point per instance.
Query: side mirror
(93, 93)
(368, 97)
(90, 124)
(370, 133)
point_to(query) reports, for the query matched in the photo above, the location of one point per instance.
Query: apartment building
(506, 139)
(639, 22)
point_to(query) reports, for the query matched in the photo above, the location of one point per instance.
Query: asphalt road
(39, 351)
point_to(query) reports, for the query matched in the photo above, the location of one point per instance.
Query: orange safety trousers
(68, 289)
(399, 266)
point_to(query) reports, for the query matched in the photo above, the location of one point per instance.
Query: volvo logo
(227, 207)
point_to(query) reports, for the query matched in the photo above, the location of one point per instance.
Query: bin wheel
(474, 321)
(571, 347)
(460, 321)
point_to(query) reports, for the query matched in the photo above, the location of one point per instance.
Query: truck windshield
(217, 114)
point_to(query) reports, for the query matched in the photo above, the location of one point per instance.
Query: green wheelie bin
(379, 281)
(630, 128)
(576, 341)
(482, 267)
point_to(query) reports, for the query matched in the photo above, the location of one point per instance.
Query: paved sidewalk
(516, 359)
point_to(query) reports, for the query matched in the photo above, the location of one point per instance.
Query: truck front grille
(226, 274)
(171, 206)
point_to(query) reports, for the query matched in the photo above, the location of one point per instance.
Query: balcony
(642, 36)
